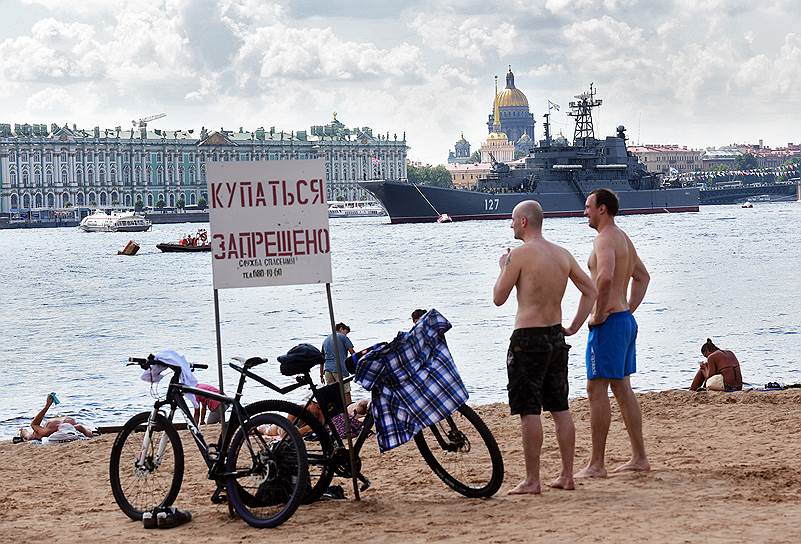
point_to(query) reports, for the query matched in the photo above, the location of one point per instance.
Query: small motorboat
(172, 247)
(188, 244)
(444, 218)
(747, 205)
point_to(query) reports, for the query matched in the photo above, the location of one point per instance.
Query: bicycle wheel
(267, 476)
(463, 453)
(144, 478)
(319, 446)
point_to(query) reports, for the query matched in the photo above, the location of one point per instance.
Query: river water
(72, 311)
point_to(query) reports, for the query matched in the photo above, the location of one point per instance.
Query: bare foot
(525, 488)
(564, 482)
(591, 472)
(634, 466)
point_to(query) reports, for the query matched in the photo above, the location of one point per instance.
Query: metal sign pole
(220, 408)
(338, 373)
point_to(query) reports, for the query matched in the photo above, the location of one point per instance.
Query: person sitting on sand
(356, 411)
(37, 431)
(718, 362)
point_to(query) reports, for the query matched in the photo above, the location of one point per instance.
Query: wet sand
(726, 468)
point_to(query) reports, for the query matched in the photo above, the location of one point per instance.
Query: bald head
(531, 211)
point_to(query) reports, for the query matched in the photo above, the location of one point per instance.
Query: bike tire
(319, 449)
(277, 474)
(465, 476)
(124, 456)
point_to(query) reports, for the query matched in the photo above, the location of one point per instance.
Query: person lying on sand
(718, 362)
(37, 431)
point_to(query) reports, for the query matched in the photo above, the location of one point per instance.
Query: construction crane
(142, 123)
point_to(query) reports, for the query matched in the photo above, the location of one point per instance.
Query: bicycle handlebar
(150, 360)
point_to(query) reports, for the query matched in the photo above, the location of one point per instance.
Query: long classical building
(60, 167)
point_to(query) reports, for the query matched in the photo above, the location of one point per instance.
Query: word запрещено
(272, 243)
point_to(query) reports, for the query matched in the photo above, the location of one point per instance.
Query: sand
(726, 468)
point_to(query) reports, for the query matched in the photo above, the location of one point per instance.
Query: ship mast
(582, 111)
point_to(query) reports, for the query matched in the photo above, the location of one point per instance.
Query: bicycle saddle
(300, 359)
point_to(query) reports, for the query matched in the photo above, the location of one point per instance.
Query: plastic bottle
(54, 398)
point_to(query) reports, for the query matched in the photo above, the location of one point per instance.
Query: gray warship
(555, 173)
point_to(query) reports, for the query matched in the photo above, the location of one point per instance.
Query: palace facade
(60, 167)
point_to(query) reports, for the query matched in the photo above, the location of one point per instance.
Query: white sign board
(269, 223)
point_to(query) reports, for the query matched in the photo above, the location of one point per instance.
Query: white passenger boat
(355, 208)
(101, 221)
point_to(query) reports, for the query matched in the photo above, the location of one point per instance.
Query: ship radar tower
(582, 111)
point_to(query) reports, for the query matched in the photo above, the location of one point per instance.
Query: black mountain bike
(265, 478)
(460, 449)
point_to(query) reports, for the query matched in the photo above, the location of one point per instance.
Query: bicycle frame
(175, 399)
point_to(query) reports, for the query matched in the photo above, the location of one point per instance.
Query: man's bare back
(612, 263)
(543, 270)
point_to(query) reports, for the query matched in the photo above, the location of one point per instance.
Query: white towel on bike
(155, 372)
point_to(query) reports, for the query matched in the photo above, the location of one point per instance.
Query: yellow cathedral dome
(497, 136)
(511, 95)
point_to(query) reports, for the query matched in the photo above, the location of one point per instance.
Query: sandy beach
(736, 479)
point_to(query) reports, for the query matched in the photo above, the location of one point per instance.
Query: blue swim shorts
(611, 352)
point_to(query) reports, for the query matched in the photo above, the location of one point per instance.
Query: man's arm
(640, 279)
(507, 279)
(605, 264)
(588, 295)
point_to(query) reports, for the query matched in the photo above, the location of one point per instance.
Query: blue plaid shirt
(413, 380)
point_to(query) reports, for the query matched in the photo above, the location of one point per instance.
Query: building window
(63, 177)
(12, 156)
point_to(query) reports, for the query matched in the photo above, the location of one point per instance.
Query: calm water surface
(72, 311)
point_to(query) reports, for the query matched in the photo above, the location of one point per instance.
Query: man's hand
(568, 331)
(505, 258)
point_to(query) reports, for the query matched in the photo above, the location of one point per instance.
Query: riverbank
(726, 468)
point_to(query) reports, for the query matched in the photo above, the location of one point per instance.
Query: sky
(698, 73)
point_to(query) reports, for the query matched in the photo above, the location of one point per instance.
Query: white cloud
(467, 38)
(50, 101)
(54, 50)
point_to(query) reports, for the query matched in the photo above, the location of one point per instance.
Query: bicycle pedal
(212, 453)
(219, 499)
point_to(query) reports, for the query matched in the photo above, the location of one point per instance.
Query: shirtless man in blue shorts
(537, 359)
(611, 356)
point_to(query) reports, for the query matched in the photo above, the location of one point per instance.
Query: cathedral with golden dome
(515, 119)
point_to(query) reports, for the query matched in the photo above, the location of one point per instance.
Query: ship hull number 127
(490, 204)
